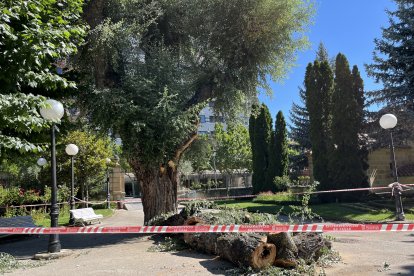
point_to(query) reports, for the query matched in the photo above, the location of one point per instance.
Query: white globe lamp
(72, 149)
(41, 161)
(53, 110)
(388, 121)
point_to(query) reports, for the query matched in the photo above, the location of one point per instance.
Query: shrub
(281, 183)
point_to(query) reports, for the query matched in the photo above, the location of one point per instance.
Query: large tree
(34, 35)
(261, 140)
(393, 58)
(154, 63)
(278, 152)
(281, 149)
(346, 166)
(319, 89)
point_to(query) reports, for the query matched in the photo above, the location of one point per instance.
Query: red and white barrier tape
(213, 198)
(319, 228)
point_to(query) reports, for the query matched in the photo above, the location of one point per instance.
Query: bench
(85, 216)
(19, 221)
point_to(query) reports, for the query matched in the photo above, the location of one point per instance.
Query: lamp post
(108, 193)
(389, 121)
(72, 150)
(53, 111)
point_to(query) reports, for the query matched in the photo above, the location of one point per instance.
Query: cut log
(287, 252)
(239, 248)
(310, 245)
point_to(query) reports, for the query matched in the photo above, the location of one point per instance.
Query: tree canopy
(34, 35)
(155, 63)
(393, 58)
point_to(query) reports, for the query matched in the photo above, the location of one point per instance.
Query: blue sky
(346, 26)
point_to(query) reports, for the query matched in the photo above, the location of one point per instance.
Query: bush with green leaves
(281, 183)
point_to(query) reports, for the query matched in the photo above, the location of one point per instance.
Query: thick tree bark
(310, 245)
(239, 248)
(287, 252)
(159, 189)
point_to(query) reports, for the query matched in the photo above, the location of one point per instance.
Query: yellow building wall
(380, 160)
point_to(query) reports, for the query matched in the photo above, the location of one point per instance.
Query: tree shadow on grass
(25, 248)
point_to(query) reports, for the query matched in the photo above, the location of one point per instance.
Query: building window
(202, 118)
(212, 119)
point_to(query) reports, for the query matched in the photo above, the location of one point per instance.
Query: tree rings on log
(287, 252)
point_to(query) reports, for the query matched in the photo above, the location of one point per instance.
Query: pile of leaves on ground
(257, 253)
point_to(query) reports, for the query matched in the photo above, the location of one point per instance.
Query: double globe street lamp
(389, 121)
(53, 111)
(72, 150)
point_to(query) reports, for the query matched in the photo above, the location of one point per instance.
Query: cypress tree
(261, 139)
(393, 58)
(281, 148)
(278, 154)
(252, 123)
(347, 170)
(271, 171)
(319, 89)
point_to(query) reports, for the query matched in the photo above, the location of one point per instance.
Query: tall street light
(108, 194)
(53, 111)
(389, 121)
(72, 150)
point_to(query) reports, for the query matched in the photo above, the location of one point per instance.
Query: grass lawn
(332, 211)
(43, 220)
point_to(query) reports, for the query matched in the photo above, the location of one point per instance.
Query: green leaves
(20, 117)
(33, 35)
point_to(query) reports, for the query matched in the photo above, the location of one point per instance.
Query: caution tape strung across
(319, 228)
(212, 198)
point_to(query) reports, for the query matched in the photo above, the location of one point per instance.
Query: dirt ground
(103, 254)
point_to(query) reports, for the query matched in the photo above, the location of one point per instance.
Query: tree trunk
(287, 251)
(310, 245)
(239, 248)
(159, 190)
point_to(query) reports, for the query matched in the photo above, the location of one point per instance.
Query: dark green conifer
(347, 169)
(260, 137)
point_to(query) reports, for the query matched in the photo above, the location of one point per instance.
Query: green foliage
(193, 207)
(281, 183)
(90, 162)
(393, 59)
(199, 155)
(304, 212)
(19, 119)
(33, 35)
(281, 146)
(233, 151)
(300, 126)
(260, 134)
(319, 89)
(7, 263)
(278, 198)
(168, 244)
(346, 167)
(156, 63)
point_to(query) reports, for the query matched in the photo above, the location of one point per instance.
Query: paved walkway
(127, 254)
